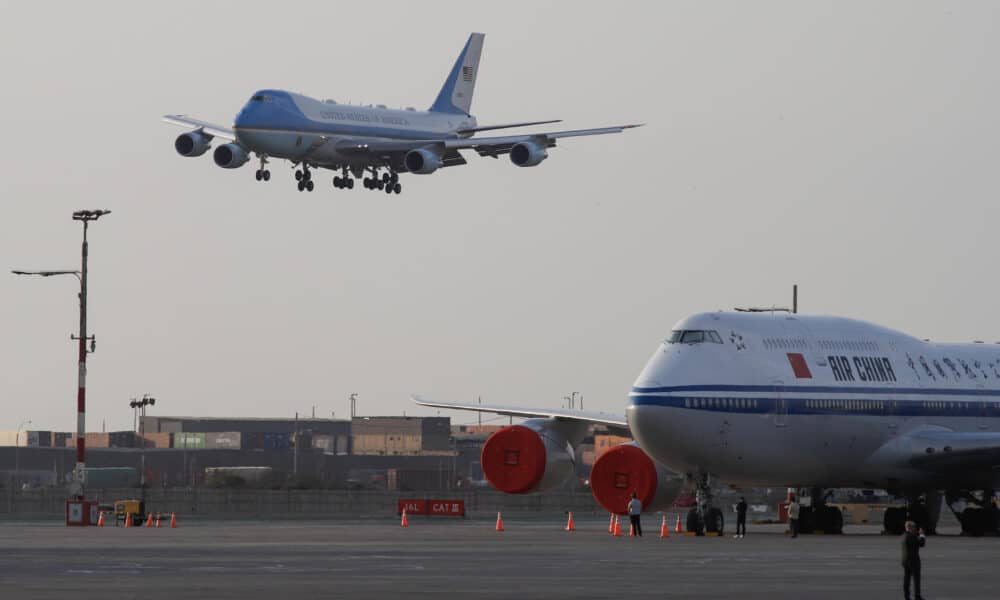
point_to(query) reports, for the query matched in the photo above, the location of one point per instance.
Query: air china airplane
(373, 142)
(777, 399)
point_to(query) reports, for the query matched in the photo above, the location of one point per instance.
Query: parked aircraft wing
(210, 129)
(610, 420)
(955, 450)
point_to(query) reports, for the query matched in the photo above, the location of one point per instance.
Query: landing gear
(820, 517)
(981, 518)
(705, 519)
(304, 178)
(262, 174)
(924, 510)
(388, 182)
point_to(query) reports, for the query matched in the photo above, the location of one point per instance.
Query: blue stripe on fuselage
(824, 406)
(816, 389)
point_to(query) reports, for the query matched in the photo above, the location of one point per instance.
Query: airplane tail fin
(456, 93)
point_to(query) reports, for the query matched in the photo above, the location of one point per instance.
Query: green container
(189, 440)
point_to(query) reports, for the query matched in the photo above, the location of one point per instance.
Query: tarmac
(435, 558)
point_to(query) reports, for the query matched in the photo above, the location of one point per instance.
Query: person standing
(634, 510)
(793, 515)
(741, 518)
(913, 541)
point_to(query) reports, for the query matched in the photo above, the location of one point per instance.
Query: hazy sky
(850, 147)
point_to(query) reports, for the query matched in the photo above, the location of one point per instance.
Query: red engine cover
(513, 459)
(619, 472)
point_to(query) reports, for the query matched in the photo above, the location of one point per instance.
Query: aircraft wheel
(258, 175)
(385, 178)
(301, 185)
(310, 185)
(388, 188)
(380, 185)
(298, 175)
(694, 522)
(266, 175)
(894, 520)
(336, 182)
(714, 521)
(394, 178)
(350, 184)
(397, 188)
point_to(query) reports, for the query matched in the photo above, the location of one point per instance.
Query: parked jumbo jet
(373, 142)
(776, 399)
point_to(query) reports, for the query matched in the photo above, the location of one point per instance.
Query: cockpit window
(260, 98)
(694, 336)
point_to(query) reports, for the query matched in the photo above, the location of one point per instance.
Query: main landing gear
(924, 510)
(704, 518)
(344, 181)
(262, 174)
(304, 178)
(978, 514)
(388, 182)
(820, 517)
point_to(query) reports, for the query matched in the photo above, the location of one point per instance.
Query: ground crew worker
(634, 510)
(913, 540)
(793, 515)
(741, 518)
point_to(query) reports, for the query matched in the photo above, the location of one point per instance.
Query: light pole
(17, 444)
(140, 405)
(85, 217)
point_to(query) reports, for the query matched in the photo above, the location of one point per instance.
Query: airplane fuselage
(299, 128)
(779, 399)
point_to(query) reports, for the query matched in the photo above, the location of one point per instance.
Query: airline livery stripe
(817, 389)
(814, 406)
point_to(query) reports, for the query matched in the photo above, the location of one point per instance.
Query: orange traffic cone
(405, 522)
(499, 522)
(569, 523)
(149, 520)
(128, 519)
(100, 519)
(618, 527)
(663, 528)
(173, 520)
(157, 520)
(678, 529)
(611, 525)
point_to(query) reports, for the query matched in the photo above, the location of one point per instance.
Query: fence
(229, 503)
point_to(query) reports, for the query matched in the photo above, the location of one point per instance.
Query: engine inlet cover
(619, 472)
(513, 459)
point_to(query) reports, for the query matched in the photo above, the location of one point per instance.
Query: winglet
(456, 93)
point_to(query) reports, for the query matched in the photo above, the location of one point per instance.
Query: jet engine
(422, 161)
(527, 154)
(230, 156)
(192, 143)
(533, 457)
(625, 469)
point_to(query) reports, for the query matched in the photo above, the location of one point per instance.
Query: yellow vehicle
(137, 508)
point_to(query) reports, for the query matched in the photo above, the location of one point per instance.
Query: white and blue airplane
(373, 142)
(776, 399)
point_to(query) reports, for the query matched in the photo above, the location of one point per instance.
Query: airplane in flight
(782, 399)
(373, 142)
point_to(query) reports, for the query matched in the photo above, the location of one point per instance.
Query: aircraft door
(780, 404)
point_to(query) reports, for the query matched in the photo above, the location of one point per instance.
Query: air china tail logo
(861, 368)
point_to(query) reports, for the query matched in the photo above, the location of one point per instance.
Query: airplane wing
(208, 128)
(946, 451)
(507, 126)
(486, 146)
(613, 421)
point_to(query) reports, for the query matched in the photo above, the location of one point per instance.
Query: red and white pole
(81, 394)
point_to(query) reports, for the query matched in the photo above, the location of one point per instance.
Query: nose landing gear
(262, 174)
(705, 519)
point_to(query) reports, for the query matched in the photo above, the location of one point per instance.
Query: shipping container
(124, 439)
(277, 441)
(61, 439)
(111, 477)
(189, 440)
(39, 439)
(326, 443)
(229, 440)
(253, 440)
(158, 440)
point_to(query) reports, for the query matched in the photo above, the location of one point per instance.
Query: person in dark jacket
(913, 541)
(741, 517)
